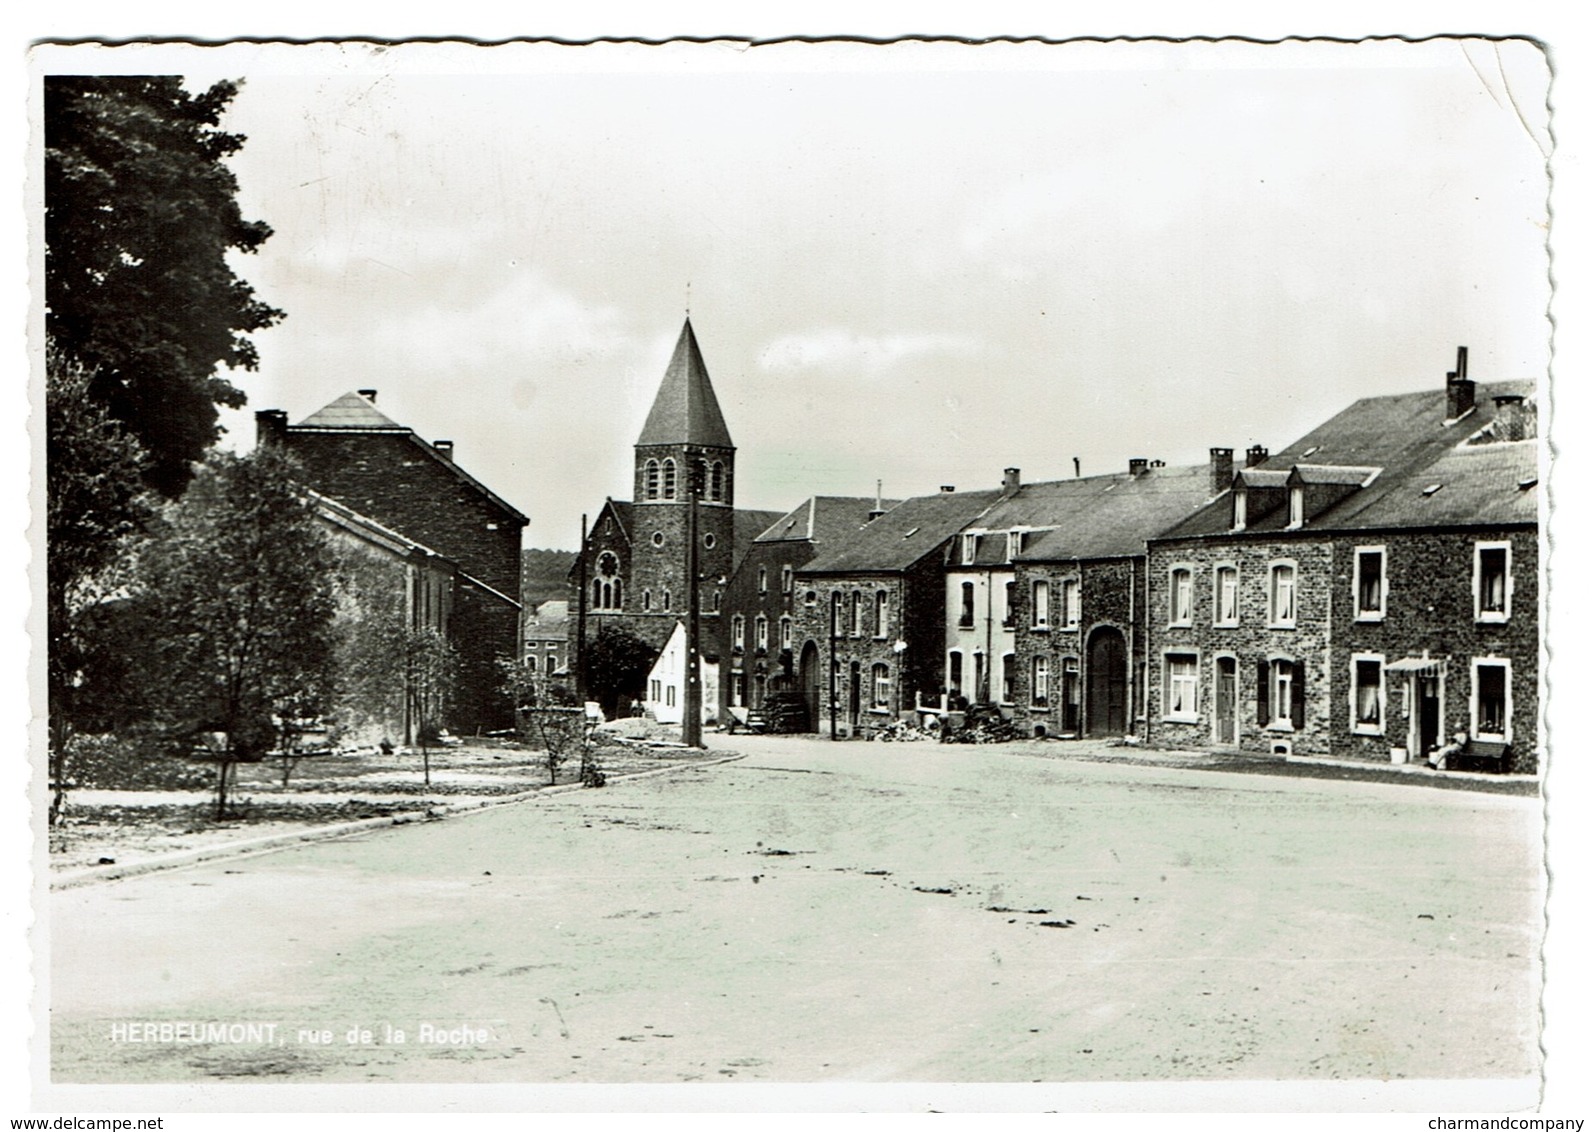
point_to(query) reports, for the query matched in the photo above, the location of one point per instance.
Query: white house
(667, 681)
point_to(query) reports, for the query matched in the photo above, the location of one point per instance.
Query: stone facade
(1429, 611)
(1095, 667)
(1237, 658)
(385, 472)
(886, 661)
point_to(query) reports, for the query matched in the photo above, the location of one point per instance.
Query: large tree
(140, 215)
(240, 582)
(94, 501)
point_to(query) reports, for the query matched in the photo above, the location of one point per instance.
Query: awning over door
(1418, 666)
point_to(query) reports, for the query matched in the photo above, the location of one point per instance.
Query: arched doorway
(1108, 692)
(811, 681)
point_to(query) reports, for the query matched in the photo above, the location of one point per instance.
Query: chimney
(948, 488)
(271, 427)
(444, 448)
(1137, 465)
(1515, 419)
(1255, 455)
(1221, 469)
(879, 510)
(368, 394)
(1010, 479)
(1158, 464)
(1458, 389)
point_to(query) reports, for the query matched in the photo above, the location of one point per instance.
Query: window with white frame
(1040, 592)
(1071, 603)
(881, 678)
(764, 580)
(955, 672)
(1492, 581)
(650, 474)
(1282, 694)
(1179, 685)
(966, 605)
(1180, 595)
(1226, 596)
(738, 632)
(1238, 513)
(1007, 605)
(858, 614)
(1492, 699)
(1282, 595)
(761, 632)
(1038, 681)
(1368, 583)
(1298, 509)
(1367, 694)
(836, 613)
(786, 579)
(1069, 693)
(1007, 677)
(967, 550)
(881, 619)
(1016, 543)
(786, 633)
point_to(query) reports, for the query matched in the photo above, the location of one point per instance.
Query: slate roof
(1121, 512)
(902, 536)
(1400, 434)
(354, 413)
(351, 411)
(745, 527)
(1485, 485)
(823, 518)
(1036, 507)
(685, 410)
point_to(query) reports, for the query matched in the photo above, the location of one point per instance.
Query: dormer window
(1016, 543)
(1298, 508)
(970, 543)
(1238, 517)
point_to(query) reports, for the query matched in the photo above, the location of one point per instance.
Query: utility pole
(579, 653)
(836, 616)
(692, 708)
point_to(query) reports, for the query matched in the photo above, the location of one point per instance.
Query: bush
(143, 762)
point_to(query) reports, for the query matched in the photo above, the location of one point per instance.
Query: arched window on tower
(670, 478)
(606, 583)
(717, 475)
(650, 476)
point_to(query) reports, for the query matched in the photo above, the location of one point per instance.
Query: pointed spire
(685, 411)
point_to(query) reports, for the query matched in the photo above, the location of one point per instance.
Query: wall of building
(1429, 611)
(1250, 641)
(988, 634)
(747, 673)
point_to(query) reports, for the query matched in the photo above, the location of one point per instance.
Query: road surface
(839, 912)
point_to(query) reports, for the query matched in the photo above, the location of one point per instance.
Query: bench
(1490, 754)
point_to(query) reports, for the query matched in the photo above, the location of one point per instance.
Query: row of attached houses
(1368, 592)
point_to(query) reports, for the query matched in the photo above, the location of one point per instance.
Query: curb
(256, 846)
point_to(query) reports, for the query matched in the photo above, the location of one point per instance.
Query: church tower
(683, 443)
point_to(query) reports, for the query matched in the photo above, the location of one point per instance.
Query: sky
(918, 263)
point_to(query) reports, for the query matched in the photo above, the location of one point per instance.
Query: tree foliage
(140, 215)
(94, 501)
(615, 664)
(240, 582)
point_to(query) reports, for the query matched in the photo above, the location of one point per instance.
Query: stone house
(546, 638)
(762, 598)
(353, 454)
(1079, 607)
(870, 625)
(1336, 602)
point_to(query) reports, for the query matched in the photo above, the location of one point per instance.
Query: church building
(632, 574)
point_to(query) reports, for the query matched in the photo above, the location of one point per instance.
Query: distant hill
(543, 576)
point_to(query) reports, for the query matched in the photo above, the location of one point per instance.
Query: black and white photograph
(720, 575)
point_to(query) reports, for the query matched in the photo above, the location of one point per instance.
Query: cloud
(838, 348)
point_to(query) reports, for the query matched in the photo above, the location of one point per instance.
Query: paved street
(860, 912)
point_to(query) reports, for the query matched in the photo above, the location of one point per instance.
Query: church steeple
(686, 411)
